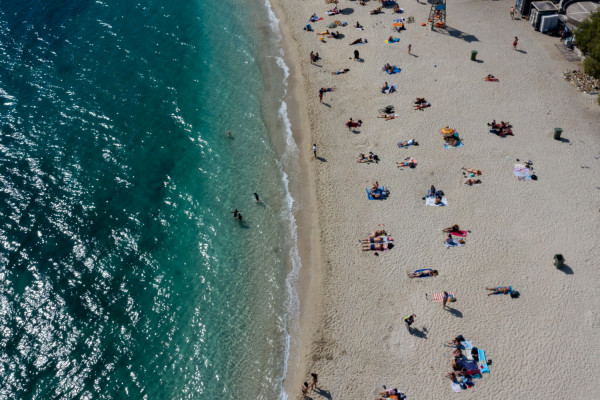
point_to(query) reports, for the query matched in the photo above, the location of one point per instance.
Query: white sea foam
(289, 157)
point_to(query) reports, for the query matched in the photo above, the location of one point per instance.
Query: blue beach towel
(421, 270)
(460, 144)
(395, 70)
(394, 40)
(381, 190)
(483, 366)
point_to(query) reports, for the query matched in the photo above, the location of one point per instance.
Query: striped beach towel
(438, 297)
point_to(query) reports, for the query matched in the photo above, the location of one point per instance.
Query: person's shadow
(323, 393)
(567, 270)
(322, 159)
(420, 333)
(326, 104)
(454, 312)
(522, 51)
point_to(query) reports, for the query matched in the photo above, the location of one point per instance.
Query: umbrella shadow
(347, 11)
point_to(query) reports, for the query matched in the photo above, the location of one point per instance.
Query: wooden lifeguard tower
(437, 15)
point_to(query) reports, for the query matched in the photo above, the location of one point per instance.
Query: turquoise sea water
(122, 272)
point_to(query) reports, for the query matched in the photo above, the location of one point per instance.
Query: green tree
(587, 36)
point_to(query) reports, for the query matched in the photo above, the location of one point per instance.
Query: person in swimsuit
(499, 290)
(422, 274)
(378, 239)
(408, 162)
(379, 232)
(377, 246)
(472, 182)
(452, 229)
(408, 143)
(444, 299)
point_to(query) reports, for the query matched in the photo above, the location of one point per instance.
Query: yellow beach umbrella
(447, 131)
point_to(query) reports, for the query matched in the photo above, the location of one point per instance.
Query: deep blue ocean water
(122, 272)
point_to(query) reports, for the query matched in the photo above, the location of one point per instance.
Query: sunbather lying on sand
(499, 290)
(323, 33)
(406, 143)
(378, 239)
(452, 229)
(472, 171)
(370, 158)
(376, 11)
(421, 274)
(420, 100)
(329, 89)
(472, 182)
(358, 41)
(396, 8)
(387, 394)
(341, 71)
(388, 116)
(491, 78)
(408, 162)
(378, 232)
(422, 106)
(377, 246)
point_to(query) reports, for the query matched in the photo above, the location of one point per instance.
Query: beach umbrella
(447, 131)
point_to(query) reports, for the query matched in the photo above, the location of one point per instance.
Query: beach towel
(483, 365)
(395, 70)
(456, 387)
(466, 345)
(471, 366)
(447, 146)
(439, 297)
(381, 190)
(421, 270)
(430, 201)
(394, 40)
(522, 172)
(453, 244)
(459, 234)
(389, 89)
(401, 19)
(410, 142)
(315, 20)
(340, 23)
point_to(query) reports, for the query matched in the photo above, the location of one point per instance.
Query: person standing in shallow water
(239, 217)
(256, 197)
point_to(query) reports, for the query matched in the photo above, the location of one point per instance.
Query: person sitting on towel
(422, 274)
(397, 8)
(388, 68)
(499, 290)
(438, 200)
(384, 87)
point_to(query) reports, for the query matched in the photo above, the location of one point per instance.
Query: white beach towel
(430, 201)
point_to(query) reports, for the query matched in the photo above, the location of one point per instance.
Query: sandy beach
(353, 303)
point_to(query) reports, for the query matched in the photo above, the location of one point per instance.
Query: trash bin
(473, 55)
(557, 133)
(559, 261)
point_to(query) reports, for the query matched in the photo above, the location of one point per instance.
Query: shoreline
(303, 189)
(346, 312)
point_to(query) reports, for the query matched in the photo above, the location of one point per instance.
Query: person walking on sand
(356, 55)
(321, 95)
(304, 389)
(312, 56)
(444, 299)
(512, 13)
(315, 150)
(515, 43)
(315, 380)
(409, 320)
(409, 47)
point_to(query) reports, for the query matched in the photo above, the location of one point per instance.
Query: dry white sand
(544, 344)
